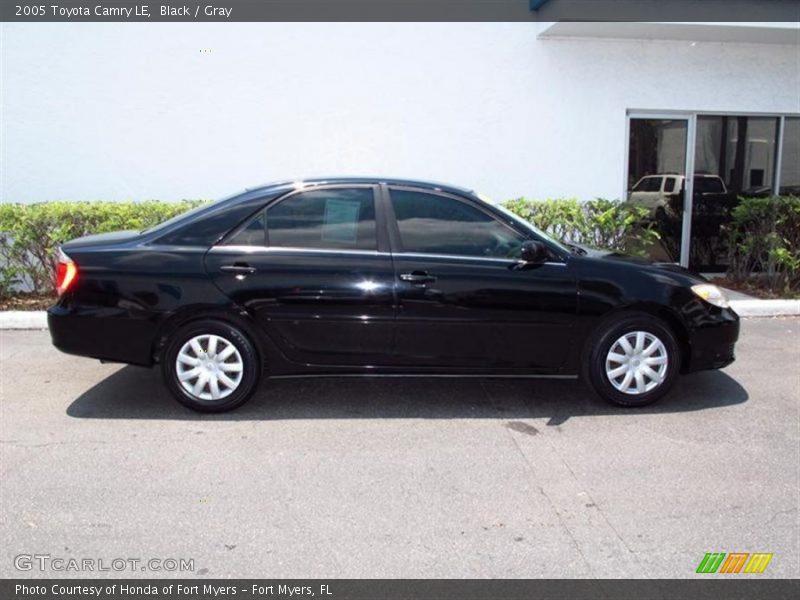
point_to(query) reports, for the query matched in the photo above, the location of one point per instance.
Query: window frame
(396, 240)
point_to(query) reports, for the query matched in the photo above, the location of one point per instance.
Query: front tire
(210, 366)
(632, 361)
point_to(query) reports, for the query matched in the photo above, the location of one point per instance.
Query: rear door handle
(238, 269)
(417, 277)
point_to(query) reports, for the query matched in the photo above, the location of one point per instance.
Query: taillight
(66, 272)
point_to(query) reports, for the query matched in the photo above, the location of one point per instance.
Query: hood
(99, 239)
(602, 254)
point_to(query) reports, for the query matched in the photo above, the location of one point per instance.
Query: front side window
(335, 219)
(434, 224)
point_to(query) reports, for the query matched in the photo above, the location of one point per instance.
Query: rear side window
(434, 224)
(206, 225)
(669, 185)
(336, 219)
(252, 234)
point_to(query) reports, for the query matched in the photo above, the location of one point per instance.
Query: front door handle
(238, 269)
(417, 277)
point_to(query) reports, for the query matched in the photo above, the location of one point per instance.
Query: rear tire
(210, 366)
(632, 361)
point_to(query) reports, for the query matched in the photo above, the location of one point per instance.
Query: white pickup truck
(654, 191)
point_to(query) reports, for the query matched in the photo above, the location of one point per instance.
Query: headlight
(711, 294)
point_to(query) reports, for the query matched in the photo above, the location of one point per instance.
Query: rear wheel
(632, 361)
(210, 366)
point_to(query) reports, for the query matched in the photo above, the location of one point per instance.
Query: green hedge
(31, 233)
(764, 239)
(764, 234)
(597, 223)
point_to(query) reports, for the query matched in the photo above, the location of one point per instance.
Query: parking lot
(402, 477)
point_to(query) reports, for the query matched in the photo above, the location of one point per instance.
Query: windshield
(524, 223)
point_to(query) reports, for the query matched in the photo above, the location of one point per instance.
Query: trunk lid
(101, 239)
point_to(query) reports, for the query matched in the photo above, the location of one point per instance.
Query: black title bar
(401, 10)
(705, 588)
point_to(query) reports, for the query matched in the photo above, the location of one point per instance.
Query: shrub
(599, 223)
(765, 238)
(9, 280)
(31, 233)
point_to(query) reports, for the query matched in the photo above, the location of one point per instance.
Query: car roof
(314, 181)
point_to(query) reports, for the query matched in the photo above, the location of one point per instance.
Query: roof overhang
(742, 32)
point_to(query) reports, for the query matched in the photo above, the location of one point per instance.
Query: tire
(653, 346)
(217, 353)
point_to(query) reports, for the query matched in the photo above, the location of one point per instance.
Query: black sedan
(379, 277)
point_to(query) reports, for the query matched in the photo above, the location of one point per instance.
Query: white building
(120, 111)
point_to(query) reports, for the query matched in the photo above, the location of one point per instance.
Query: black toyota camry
(379, 277)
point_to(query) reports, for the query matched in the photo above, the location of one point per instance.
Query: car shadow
(137, 393)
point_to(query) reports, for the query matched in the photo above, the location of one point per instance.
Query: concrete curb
(23, 319)
(766, 308)
(37, 319)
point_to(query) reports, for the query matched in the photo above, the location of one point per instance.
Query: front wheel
(210, 366)
(633, 361)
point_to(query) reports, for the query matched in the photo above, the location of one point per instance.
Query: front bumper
(712, 341)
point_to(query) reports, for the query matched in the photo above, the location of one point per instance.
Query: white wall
(116, 111)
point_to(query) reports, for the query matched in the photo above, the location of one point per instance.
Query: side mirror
(533, 253)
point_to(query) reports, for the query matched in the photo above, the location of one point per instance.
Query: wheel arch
(231, 315)
(664, 314)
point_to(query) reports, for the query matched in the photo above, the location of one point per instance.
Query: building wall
(118, 111)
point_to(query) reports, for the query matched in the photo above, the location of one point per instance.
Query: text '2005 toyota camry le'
(368, 276)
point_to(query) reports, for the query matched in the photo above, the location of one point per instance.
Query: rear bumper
(102, 333)
(713, 341)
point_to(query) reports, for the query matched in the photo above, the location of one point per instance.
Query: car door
(464, 299)
(313, 269)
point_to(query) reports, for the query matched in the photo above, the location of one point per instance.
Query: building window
(734, 156)
(657, 147)
(740, 150)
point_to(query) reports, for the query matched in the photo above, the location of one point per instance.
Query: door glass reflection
(734, 156)
(656, 173)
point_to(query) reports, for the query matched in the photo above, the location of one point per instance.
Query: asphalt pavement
(398, 477)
